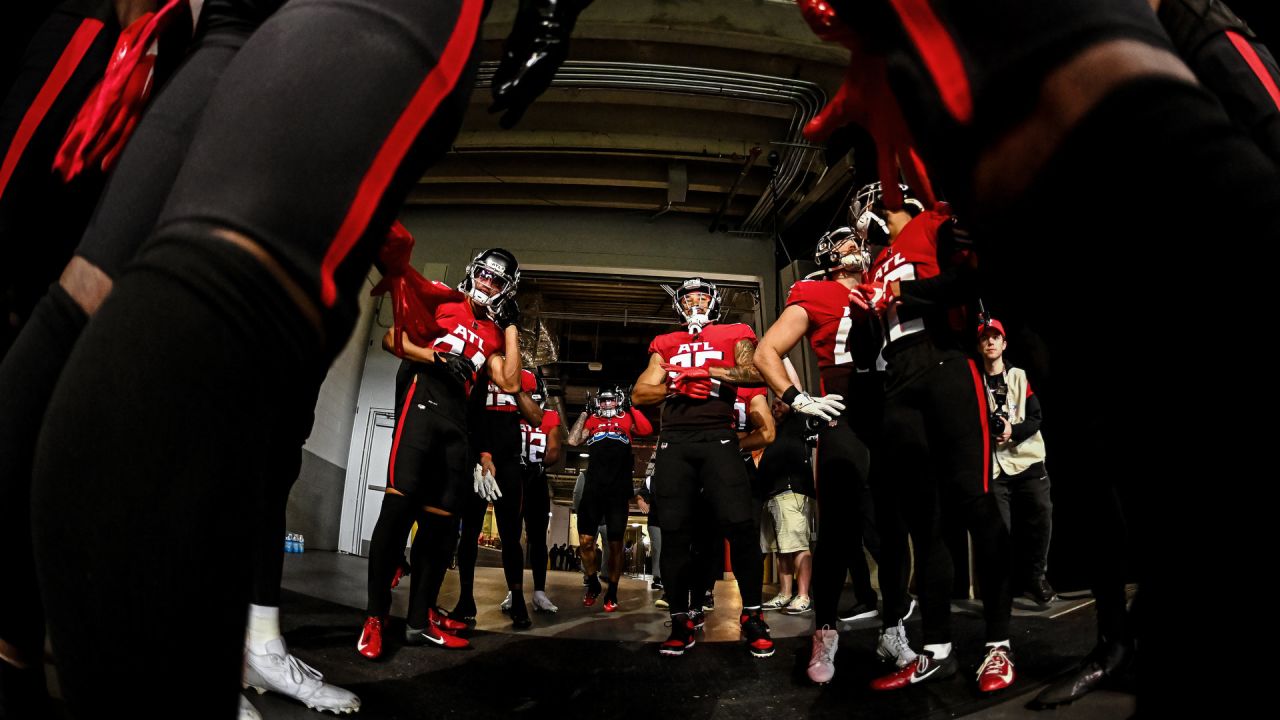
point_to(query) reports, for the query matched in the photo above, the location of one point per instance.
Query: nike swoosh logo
(438, 641)
(724, 442)
(362, 644)
(918, 676)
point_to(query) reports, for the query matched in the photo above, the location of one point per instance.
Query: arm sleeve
(1031, 425)
(642, 424)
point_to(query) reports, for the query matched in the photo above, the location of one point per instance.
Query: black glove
(537, 45)
(456, 367)
(508, 313)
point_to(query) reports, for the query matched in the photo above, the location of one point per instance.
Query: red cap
(992, 324)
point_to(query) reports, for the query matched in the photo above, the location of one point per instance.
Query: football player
(697, 371)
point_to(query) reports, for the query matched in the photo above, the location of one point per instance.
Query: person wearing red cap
(1020, 482)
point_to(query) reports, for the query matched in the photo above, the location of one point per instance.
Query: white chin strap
(478, 297)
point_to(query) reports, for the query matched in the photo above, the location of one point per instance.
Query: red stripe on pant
(434, 89)
(62, 71)
(981, 390)
(940, 55)
(1255, 64)
(395, 443)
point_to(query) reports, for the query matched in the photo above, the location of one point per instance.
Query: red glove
(695, 389)
(680, 374)
(693, 382)
(874, 297)
(111, 112)
(413, 297)
(866, 99)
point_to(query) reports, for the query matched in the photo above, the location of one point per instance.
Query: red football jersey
(533, 440)
(617, 428)
(499, 401)
(912, 256)
(840, 334)
(461, 332)
(713, 347)
(742, 407)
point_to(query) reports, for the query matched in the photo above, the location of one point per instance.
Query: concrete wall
(316, 500)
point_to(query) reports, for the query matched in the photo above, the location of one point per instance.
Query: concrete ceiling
(663, 106)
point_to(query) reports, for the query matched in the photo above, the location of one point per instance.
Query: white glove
(827, 407)
(485, 485)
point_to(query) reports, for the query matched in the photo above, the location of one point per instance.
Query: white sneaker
(822, 663)
(247, 710)
(893, 646)
(542, 603)
(799, 605)
(778, 602)
(280, 672)
(506, 604)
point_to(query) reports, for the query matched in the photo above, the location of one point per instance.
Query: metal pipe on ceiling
(806, 99)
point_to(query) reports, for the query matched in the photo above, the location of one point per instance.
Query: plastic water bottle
(288, 542)
(302, 543)
(293, 542)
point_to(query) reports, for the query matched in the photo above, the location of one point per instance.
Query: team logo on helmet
(491, 279)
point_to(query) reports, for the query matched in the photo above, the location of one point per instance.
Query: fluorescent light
(595, 366)
(585, 455)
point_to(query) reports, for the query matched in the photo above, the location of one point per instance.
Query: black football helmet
(499, 271)
(867, 214)
(832, 253)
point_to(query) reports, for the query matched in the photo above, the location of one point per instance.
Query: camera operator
(1021, 483)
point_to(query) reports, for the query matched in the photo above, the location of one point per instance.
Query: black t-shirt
(785, 464)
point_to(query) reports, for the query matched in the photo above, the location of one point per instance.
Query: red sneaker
(432, 635)
(756, 631)
(924, 669)
(370, 642)
(444, 622)
(681, 639)
(610, 605)
(996, 671)
(591, 593)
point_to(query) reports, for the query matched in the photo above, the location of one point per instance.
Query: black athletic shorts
(606, 496)
(430, 459)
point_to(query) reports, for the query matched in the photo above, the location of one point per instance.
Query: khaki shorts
(788, 525)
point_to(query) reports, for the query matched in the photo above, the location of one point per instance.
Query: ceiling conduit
(805, 98)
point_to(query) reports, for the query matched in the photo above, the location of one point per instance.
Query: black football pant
(156, 519)
(937, 452)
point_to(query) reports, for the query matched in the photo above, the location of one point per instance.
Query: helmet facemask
(698, 304)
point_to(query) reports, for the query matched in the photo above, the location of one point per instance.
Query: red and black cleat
(370, 642)
(592, 591)
(924, 669)
(682, 629)
(756, 631)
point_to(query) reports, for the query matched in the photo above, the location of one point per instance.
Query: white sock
(998, 644)
(939, 652)
(264, 626)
